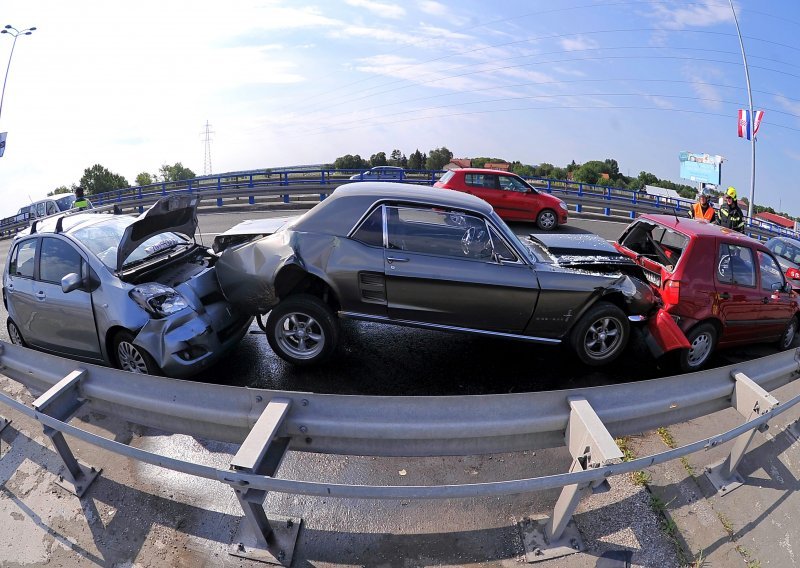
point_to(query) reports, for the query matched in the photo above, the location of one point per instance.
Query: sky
(132, 85)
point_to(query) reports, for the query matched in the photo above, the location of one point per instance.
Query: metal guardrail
(283, 183)
(268, 423)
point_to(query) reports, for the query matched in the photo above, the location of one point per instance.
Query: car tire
(302, 330)
(547, 220)
(132, 358)
(787, 337)
(601, 334)
(14, 333)
(702, 341)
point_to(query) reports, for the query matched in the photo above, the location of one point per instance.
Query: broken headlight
(158, 300)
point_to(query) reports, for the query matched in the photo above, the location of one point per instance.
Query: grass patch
(671, 530)
(637, 477)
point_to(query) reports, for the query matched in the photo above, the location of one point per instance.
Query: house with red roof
(777, 220)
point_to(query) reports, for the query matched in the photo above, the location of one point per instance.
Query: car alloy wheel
(131, 358)
(302, 330)
(702, 340)
(787, 338)
(546, 220)
(14, 333)
(601, 335)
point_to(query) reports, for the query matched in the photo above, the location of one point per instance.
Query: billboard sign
(702, 168)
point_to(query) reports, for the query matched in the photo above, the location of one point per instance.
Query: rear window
(447, 177)
(655, 242)
(785, 250)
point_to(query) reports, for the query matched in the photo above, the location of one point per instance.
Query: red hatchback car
(512, 197)
(721, 287)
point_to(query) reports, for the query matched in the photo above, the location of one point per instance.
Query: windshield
(785, 250)
(65, 202)
(103, 240)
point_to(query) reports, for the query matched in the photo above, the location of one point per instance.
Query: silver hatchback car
(136, 293)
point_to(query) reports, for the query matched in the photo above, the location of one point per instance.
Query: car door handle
(724, 296)
(10, 287)
(391, 259)
(40, 295)
(765, 300)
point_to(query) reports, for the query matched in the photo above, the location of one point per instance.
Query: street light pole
(752, 118)
(15, 33)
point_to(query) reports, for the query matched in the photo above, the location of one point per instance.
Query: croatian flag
(744, 122)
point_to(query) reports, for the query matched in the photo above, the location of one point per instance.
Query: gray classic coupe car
(429, 258)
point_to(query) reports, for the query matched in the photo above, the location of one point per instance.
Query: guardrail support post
(62, 401)
(261, 453)
(751, 401)
(4, 422)
(591, 446)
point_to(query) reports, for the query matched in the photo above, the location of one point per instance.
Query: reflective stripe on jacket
(731, 216)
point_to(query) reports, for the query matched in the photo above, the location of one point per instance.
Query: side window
(438, 232)
(501, 249)
(57, 259)
(474, 180)
(40, 211)
(735, 265)
(510, 183)
(370, 232)
(22, 259)
(770, 272)
(51, 208)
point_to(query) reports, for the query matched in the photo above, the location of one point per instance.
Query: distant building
(502, 166)
(457, 163)
(777, 220)
(670, 194)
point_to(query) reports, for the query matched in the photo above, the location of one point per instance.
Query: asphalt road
(380, 359)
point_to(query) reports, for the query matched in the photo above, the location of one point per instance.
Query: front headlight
(563, 206)
(158, 300)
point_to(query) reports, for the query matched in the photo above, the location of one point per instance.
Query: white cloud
(391, 11)
(701, 14)
(433, 8)
(789, 105)
(578, 43)
(660, 102)
(709, 93)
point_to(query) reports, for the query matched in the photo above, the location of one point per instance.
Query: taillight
(672, 292)
(793, 274)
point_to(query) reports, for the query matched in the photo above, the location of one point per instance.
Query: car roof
(484, 171)
(71, 222)
(347, 204)
(694, 227)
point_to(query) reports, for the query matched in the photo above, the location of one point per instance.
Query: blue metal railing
(284, 181)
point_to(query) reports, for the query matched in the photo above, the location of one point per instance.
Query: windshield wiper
(156, 250)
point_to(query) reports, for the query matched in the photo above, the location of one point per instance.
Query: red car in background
(512, 197)
(721, 287)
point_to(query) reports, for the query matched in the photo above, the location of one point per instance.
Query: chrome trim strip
(441, 327)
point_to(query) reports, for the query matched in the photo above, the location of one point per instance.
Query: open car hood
(175, 213)
(249, 230)
(585, 251)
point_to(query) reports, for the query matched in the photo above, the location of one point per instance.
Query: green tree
(417, 160)
(60, 189)
(350, 162)
(175, 172)
(646, 178)
(98, 179)
(378, 159)
(437, 158)
(397, 158)
(144, 179)
(522, 169)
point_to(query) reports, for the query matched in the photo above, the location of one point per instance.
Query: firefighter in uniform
(730, 214)
(703, 209)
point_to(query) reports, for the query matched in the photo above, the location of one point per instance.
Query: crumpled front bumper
(187, 343)
(663, 335)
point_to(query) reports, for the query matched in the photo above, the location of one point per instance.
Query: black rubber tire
(14, 334)
(601, 335)
(547, 220)
(132, 358)
(302, 330)
(788, 336)
(702, 339)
